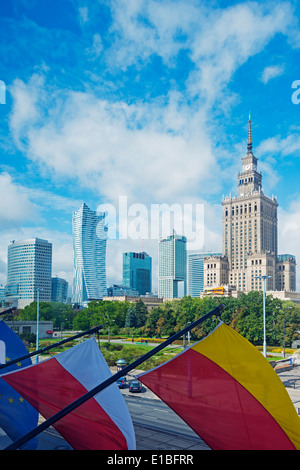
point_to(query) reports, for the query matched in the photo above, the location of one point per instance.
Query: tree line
(244, 314)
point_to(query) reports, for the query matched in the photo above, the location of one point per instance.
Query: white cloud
(143, 28)
(271, 72)
(286, 146)
(228, 39)
(144, 151)
(95, 50)
(25, 105)
(84, 14)
(150, 151)
(15, 207)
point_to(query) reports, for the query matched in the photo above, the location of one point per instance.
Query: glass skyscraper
(59, 290)
(172, 263)
(29, 268)
(137, 272)
(89, 246)
(196, 272)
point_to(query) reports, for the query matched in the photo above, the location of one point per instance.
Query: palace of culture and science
(250, 241)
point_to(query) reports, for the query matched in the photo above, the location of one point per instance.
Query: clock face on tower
(247, 167)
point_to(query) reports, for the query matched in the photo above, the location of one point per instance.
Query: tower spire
(249, 146)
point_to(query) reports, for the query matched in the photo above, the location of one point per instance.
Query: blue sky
(148, 100)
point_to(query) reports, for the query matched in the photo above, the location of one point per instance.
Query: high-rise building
(250, 240)
(286, 273)
(29, 269)
(89, 246)
(172, 264)
(137, 272)
(196, 272)
(59, 289)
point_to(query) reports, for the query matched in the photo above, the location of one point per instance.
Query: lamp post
(37, 321)
(283, 312)
(108, 330)
(288, 307)
(264, 277)
(188, 337)
(283, 333)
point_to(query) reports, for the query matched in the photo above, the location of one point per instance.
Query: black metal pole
(55, 345)
(72, 406)
(9, 310)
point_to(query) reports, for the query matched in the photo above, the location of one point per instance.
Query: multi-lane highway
(157, 427)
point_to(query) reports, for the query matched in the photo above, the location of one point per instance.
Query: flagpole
(9, 310)
(55, 345)
(72, 406)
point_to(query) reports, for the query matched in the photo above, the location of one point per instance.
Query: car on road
(122, 382)
(135, 386)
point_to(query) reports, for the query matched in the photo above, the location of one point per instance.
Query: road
(157, 427)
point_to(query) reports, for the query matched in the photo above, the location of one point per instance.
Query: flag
(101, 423)
(228, 393)
(17, 416)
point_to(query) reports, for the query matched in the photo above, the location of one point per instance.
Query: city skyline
(146, 100)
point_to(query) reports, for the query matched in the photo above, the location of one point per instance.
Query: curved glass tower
(89, 246)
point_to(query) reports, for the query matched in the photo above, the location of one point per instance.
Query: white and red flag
(102, 422)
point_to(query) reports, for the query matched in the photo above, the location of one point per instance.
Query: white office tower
(29, 269)
(89, 245)
(171, 266)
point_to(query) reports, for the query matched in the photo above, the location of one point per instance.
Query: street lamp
(188, 337)
(289, 307)
(108, 330)
(264, 309)
(37, 321)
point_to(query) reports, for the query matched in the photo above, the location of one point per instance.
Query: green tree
(57, 312)
(131, 320)
(81, 321)
(153, 316)
(286, 324)
(141, 313)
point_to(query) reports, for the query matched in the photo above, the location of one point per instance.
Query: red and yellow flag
(229, 394)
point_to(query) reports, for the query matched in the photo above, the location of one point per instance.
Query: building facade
(286, 273)
(196, 272)
(89, 248)
(30, 327)
(172, 266)
(137, 272)
(29, 269)
(59, 289)
(117, 290)
(215, 271)
(249, 235)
